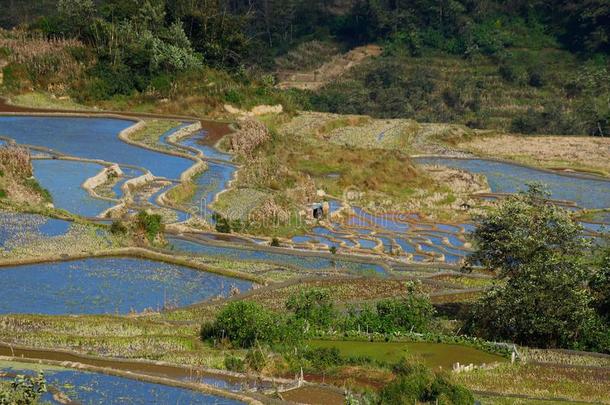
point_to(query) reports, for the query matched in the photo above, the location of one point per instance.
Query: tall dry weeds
(50, 60)
(252, 134)
(16, 161)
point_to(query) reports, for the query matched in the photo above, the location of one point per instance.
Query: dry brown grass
(48, 61)
(16, 182)
(577, 153)
(15, 161)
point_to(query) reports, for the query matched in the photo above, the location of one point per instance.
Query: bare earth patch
(337, 66)
(570, 152)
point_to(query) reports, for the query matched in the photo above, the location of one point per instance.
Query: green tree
(413, 312)
(75, 15)
(600, 285)
(314, 306)
(150, 224)
(537, 248)
(244, 323)
(525, 229)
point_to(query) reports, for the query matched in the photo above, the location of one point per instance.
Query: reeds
(16, 161)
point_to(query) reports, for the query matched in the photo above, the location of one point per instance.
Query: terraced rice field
(367, 243)
(107, 286)
(92, 388)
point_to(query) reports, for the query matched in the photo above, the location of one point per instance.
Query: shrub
(256, 359)
(23, 390)
(3, 193)
(528, 123)
(233, 363)
(313, 305)
(118, 228)
(150, 224)
(507, 72)
(244, 323)
(415, 383)
(208, 331)
(535, 76)
(223, 225)
(323, 358)
(275, 242)
(413, 312)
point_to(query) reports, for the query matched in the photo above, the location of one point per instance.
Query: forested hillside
(526, 66)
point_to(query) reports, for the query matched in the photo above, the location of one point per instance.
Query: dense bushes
(314, 306)
(411, 313)
(416, 383)
(23, 390)
(245, 324)
(149, 224)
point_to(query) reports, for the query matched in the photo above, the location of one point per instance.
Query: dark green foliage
(3, 193)
(225, 225)
(324, 358)
(233, 363)
(537, 247)
(245, 324)
(507, 72)
(23, 390)
(118, 228)
(275, 242)
(525, 229)
(150, 224)
(600, 285)
(416, 383)
(412, 313)
(314, 306)
(535, 76)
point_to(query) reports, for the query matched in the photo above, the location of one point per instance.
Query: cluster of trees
(552, 294)
(152, 47)
(228, 31)
(245, 324)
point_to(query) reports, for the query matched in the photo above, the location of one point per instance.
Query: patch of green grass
(432, 354)
(34, 185)
(152, 131)
(45, 101)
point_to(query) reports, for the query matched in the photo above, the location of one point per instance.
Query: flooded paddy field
(15, 225)
(96, 388)
(510, 178)
(107, 286)
(90, 138)
(288, 259)
(64, 179)
(405, 236)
